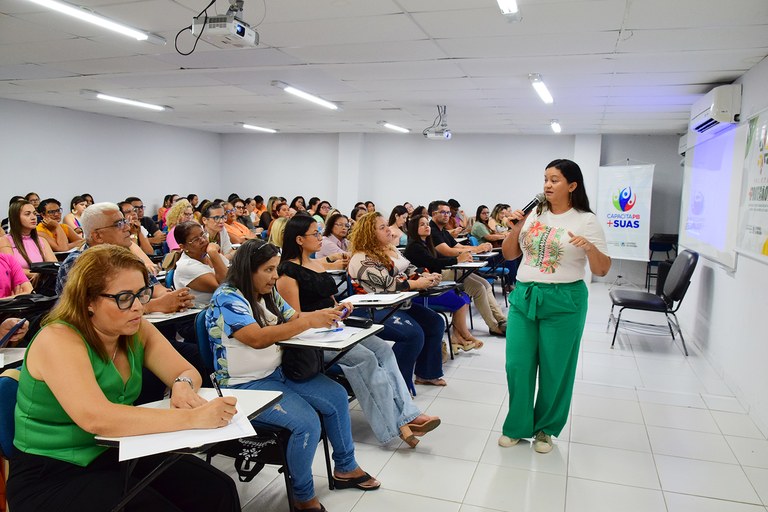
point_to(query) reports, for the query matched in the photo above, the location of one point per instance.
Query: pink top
(171, 240)
(32, 251)
(11, 274)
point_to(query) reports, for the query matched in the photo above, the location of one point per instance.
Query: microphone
(530, 206)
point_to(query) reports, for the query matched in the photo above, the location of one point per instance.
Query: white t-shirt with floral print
(548, 257)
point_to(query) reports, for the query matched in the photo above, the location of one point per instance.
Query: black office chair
(667, 302)
(659, 243)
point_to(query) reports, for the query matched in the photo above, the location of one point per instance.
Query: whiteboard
(709, 208)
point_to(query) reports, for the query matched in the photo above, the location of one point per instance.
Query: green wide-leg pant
(544, 328)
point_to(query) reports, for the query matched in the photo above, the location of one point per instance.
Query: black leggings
(40, 483)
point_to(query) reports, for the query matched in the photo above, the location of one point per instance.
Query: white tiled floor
(650, 431)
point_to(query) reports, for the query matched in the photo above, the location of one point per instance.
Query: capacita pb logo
(624, 199)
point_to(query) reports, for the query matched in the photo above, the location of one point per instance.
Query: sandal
(419, 429)
(461, 344)
(407, 435)
(430, 382)
(321, 508)
(478, 343)
(355, 483)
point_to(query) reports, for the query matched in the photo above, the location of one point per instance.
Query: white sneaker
(542, 443)
(506, 442)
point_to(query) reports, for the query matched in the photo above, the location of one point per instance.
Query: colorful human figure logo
(624, 199)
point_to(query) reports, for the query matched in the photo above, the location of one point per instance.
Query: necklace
(114, 355)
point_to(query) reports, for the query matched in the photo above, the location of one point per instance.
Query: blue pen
(330, 330)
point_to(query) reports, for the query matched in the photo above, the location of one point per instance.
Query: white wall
(722, 310)
(60, 153)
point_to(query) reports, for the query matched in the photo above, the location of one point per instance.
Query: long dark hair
(296, 226)
(414, 238)
(396, 212)
(295, 200)
(572, 174)
(478, 218)
(248, 258)
(14, 226)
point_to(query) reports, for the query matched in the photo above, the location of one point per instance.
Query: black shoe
(500, 333)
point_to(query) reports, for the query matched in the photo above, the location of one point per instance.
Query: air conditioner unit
(718, 109)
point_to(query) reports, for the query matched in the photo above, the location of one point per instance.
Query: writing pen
(216, 384)
(330, 330)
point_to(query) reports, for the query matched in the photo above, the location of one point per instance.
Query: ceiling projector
(224, 31)
(438, 135)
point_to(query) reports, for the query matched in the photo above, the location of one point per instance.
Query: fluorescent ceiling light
(394, 127)
(507, 6)
(305, 95)
(123, 101)
(97, 19)
(555, 126)
(541, 88)
(256, 128)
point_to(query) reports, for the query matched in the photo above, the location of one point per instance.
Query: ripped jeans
(297, 412)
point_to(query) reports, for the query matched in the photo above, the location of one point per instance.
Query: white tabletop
(157, 318)
(485, 255)
(461, 239)
(468, 265)
(9, 356)
(249, 404)
(354, 336)
(374, 300)
(337, 271)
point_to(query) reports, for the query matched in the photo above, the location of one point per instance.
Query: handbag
(300, 364)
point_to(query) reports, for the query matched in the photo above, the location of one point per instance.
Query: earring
(90, 312)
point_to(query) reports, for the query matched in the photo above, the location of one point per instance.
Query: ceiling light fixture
(123, 101)
(394, 127)
(541, 88)
(256, 128)
(305, 95)
(555, 125)
(509, 9)
(97, 19)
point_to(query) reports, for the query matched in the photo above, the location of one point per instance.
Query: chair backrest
(9, 386)
(203, 342)
(473, 240)
(169, 279)
(679, 276)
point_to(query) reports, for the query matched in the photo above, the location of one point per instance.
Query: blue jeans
(371, 369)
(297, 412)
(418, 334)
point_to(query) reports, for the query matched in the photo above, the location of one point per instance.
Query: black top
(316, 289)
(246, 221)
(149, 225)
(418, 253)
(265, 220)
(441, 236)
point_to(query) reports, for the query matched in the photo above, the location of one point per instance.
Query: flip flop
(430, 382)
(321, 508)
(354, 483)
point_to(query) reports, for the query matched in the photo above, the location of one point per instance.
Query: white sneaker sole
(507, 442)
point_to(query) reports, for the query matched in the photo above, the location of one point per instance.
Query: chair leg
(471, 322)
(616, 330)
(680, 331)
(286, 474)
(324, 437)
(610, 317)
(669, 324)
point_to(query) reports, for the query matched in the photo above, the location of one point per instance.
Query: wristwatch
(184, 379)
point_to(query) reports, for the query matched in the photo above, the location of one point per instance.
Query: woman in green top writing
(79, 379)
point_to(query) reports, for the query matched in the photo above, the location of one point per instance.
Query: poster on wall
(753, 224)
(624, 209)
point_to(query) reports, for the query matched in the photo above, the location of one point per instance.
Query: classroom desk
(340, 346)
(10, 357)
(466, 268)
(62, 255)
(392, 301)
(250, 403)
(158, 318)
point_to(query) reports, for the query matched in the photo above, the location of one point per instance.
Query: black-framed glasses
(443, 212)
(218, 218)
(241, 207)
(53, 212)
(317, 234)
(139, 207)
(124, 300)
(120, 224)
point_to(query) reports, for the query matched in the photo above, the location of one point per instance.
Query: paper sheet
(328, 335)
(376, 297)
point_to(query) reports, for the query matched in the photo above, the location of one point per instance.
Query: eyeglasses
(229, 211)
(343, 225)
(124, 300)
(239, 207)
(187, 215)
(120, 224)
(317, 234)
(53, 212)
(138, 207)
(325, 207)
(198, 239)
(443, 212)
(218, 218)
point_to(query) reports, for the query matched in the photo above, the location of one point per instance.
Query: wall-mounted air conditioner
(717, 110)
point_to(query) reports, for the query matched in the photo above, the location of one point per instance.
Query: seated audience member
(475, 286)
(34, 200)
(22, 236)
(419, 211)
(80, 378)
(88, 199)
(376, 266)
(180, 212)
(246, 318)
(397, 220)
(154, 234)
(499, 221)
(214, 219)
(421, 252)
(279, 210)
(76, 208)
(167, 203)
(243, 211)
(335, 243)
(258, 208)
(481, 229)
(277, 231)
(312, 205)
(60, 236)
(457, 221)
(370, 367)
(138, 234)
(321, 211)
(370, 206)
(298, 204)
(200, 268)
(266, 216)
(13, 280)
(356, 213)
(238, 233)
(205, 203)
(193, 201)
(408, 207)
